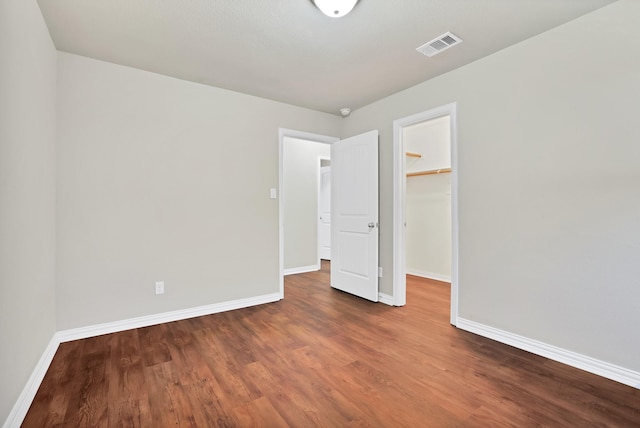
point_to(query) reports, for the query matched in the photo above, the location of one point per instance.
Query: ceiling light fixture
(335, 8)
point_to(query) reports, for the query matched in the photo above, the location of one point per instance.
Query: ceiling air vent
(439, 44)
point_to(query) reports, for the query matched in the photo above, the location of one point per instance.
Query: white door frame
(319, 182)
(399, 205)
(283, 132)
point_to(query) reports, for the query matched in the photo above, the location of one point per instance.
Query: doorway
(400, 197)
(428, 199)
(284, 134)
(354, 206)
(299, 169)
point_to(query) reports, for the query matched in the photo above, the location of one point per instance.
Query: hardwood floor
(322, 358)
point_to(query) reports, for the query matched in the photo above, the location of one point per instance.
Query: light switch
(274, 194)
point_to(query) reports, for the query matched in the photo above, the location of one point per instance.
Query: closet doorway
(425, 208)
(428, 199)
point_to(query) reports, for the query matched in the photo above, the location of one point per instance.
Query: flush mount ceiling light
(335, 8)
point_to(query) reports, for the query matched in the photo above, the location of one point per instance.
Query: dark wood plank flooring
(321, 358)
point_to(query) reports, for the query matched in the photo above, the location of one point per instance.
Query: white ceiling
(286, 50)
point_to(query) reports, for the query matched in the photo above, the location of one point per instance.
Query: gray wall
(27, 194)
(163, 179)
(549, 183)
(300, 193)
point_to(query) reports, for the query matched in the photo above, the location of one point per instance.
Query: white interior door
(354, 207)
(324, 214)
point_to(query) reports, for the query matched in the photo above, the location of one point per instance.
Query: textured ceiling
(286, 50)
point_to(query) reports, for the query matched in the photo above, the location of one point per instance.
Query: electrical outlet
(159, 287)
(379, 272)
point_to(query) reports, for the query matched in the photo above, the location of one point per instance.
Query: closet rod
(433, 171)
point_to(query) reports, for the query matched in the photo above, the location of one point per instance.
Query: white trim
(573, 359)
(453, 123)
(145, 321)
(385, 298)
(318, 191)
(302, 269)
(399, 197)
(282, 133)
(21, 407)
(429, 275)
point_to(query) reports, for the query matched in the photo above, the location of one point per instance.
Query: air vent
(439, 44)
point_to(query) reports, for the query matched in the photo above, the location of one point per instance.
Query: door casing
(399, 205)
(321, 220)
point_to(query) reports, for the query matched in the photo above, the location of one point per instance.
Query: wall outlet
(159, 287)
(379, 272)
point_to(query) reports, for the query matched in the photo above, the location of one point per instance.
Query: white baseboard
(20, 409)
(573, 359)
(301, 269)
(182, 314)
(385, 298)
(429, 275)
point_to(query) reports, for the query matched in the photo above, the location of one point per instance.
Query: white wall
(428, 199)
(300, 192)
(27, 194)
(548, 183)
(428, 231)
(431, 140)
(163, 179)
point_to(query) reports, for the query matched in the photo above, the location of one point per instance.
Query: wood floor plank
(161, 380)
(225, 371)
(132, 413)
(185, 354)
(87, 406)
(126, 377)
(285, 398)
(153, 344)
(321, 358)
(259, 413)
(206, 406)
(49, 407)
(128, 396)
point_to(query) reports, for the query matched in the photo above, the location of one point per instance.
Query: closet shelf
(429, 172)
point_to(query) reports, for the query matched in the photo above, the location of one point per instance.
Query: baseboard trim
(573, 359)
(429, 275)
(385, 298)
(20, 409)
(301, 269)
(128, 324)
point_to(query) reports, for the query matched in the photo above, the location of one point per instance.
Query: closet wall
(428, 199)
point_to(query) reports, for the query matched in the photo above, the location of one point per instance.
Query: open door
(354, 208)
